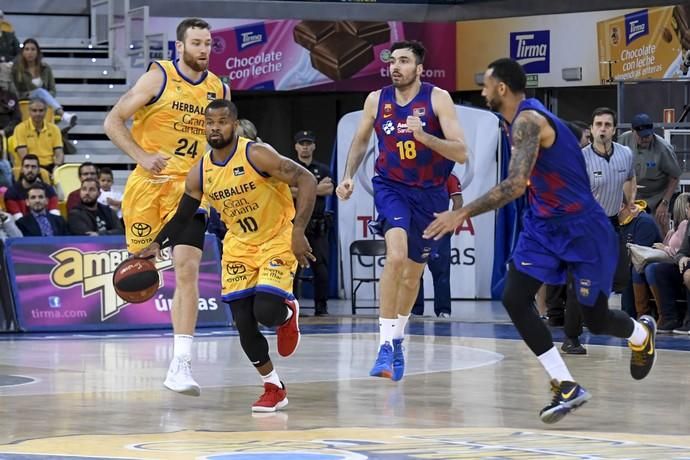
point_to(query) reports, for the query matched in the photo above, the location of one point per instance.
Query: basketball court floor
(472, 391)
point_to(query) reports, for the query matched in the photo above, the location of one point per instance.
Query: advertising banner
(644, 44)
(253, 54)
(471, 245)
(65, 284)
(544, 45)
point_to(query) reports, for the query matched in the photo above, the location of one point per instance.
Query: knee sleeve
(194, 233)
(518, 297)
(269, 309)
(252, 340)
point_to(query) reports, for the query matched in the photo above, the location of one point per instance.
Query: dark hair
(413, 45)
(105, 170)
(510, 72)
(190, 23)
(87, 163)
(222, 104)
(575, 129)
(580, 124)
(34, 100)
(30, 156)
(37, 186)
(95, 181)
(604, 111)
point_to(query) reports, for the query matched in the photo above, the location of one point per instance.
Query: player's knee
(686, 279)
(186, 270)
(395, 259)
(269, 309)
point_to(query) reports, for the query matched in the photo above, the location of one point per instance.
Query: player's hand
(155, 163)
(301, 249)
(445, 222)
(682, 263)
(326, 180)
(414, 124)
(152, 251)
(345, 189)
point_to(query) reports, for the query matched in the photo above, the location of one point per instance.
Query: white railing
(126, 31)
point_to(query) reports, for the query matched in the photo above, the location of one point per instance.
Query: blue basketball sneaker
(567, 396)
(398, 360)
(383, 367)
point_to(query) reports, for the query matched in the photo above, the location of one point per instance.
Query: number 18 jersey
(173, 122)
(254, 206)
(401, 158)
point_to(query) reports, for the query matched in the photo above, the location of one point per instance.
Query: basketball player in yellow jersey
(166, 140)
(249, 184)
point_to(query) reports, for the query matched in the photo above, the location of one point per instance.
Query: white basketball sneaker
(179, 378)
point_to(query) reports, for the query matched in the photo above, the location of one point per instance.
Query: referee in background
(611, 174)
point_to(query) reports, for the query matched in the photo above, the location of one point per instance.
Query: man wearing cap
(656, 167)
(317, 230)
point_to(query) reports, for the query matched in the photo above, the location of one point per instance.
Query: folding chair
(359, 249)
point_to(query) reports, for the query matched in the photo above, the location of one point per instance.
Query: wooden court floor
(472, 391)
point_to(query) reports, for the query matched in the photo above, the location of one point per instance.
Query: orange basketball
(136, 280)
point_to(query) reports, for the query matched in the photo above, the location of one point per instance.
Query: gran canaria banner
(65, 283)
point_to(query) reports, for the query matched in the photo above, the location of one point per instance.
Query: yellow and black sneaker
(643, 357)
(567, 396)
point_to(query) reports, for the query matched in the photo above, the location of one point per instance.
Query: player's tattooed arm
(526, 139)
(299, 177)
(284, 169)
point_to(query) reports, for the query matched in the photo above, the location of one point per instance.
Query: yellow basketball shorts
(147, 204)
(268, 267)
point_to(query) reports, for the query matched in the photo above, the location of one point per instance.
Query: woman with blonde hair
(246, 128)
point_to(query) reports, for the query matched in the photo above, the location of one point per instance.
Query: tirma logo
(531, 50)
(636, 25)
(253, 34)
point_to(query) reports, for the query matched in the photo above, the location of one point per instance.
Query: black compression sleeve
(185, 212)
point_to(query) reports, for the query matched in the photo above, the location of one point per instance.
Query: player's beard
(192, 63)
(494, 104)
(221, 143)
(404, 83)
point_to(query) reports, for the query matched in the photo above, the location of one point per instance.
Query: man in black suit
(38, 221)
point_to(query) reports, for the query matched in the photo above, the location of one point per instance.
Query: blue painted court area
(348, 325)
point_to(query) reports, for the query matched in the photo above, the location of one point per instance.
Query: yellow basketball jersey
(254, 207)
(173, 123)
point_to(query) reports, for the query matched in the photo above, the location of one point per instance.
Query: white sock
(555, 366)
(182, 346)
(639, 334)
(399, 330)
(386, 328)
(272, 377)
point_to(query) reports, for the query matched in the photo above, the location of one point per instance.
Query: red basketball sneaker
(288, 333)
(274, 398)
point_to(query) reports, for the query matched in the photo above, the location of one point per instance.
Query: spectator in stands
(10, 116)
(16, 195)
(38, 221)
(656, 167)
(33, 78)
(8, 229)
(108, 196)
(439, 263)
(638, 227)
(9, 45)
(90, 217)
(246, 128)
(670, 287)
(87, 170)
(39, 136)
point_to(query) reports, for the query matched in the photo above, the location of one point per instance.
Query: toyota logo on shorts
(236, 268)
(141, 229)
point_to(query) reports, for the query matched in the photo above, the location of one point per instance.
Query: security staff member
(317, 230)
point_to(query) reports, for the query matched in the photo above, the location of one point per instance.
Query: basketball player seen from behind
(565, 230)
(166, 140)
(419, 141)
(249, 184)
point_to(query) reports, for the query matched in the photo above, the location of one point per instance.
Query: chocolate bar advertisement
(325, 55)
(646, 43)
